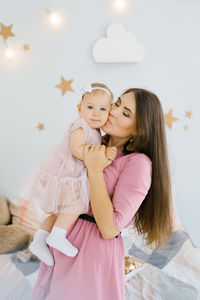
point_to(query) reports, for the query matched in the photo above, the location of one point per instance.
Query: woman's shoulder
(135, 168)
(136, 158)
(132, 163)
(140, 157)
(131, 169)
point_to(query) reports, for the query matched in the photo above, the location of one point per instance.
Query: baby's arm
(78, 141)
(111, 152)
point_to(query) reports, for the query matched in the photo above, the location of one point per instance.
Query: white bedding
(172, 273)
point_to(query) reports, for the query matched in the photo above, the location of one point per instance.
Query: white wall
(170, 33)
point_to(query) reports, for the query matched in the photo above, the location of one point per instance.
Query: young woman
(133, 189)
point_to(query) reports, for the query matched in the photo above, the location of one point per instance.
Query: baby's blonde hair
(101, 85)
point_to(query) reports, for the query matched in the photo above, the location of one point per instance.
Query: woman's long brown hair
(153, 219)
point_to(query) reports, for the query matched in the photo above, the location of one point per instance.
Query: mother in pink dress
(133, 189)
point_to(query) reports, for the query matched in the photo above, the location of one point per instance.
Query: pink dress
(60, 181)
(98, 270)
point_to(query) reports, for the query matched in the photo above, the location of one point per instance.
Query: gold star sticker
(169, 119)
(6, 31)
(186, 127)
(65, 85)
(188, 114)
(40, 126)
(26, 47)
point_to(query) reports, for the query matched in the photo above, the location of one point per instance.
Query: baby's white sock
(57, 239)
(40, 248)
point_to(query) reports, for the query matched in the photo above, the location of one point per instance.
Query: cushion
(26, 213)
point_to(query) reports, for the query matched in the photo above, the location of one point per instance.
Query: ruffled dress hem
(57, 194)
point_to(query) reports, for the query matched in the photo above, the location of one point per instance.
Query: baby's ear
(79, 108)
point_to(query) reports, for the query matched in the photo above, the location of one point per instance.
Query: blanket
(171, 273)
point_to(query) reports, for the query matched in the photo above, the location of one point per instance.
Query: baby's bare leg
(48, 223)
(65, 221)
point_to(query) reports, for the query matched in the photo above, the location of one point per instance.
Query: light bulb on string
(9, 52)
(54, 18)
(120, 4)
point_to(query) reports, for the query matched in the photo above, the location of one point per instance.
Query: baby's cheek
(103, 120)
(106, 118)
(107, 115)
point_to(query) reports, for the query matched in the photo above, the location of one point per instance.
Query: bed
(172, 273)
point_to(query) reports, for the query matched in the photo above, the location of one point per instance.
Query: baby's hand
(111, 153)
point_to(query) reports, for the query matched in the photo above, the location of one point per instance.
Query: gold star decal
(6, 31)
(188, 114)
(40, 126)
(26, 47)
(169, 119)
(186, 127)
(65, 85)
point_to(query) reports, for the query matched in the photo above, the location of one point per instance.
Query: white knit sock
(40, 248)
(57, 239)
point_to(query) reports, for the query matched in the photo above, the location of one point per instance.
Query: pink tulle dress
(60, 181)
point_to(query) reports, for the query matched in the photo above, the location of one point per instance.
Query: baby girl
(60, 181)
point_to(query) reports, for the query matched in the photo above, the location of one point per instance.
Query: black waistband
(89, 219)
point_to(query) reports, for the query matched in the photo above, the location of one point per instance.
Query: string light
(9, 52)
(120, 4)
(54, 17)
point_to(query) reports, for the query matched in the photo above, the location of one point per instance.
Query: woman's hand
(95, 159)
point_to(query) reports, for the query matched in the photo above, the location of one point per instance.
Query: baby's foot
(111, 153)
(40, 248)
(57, 239)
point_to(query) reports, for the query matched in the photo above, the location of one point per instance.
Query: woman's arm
(131, 189)
(101, 203)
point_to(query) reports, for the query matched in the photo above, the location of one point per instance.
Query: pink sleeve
(79, 123)
(131, 189)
